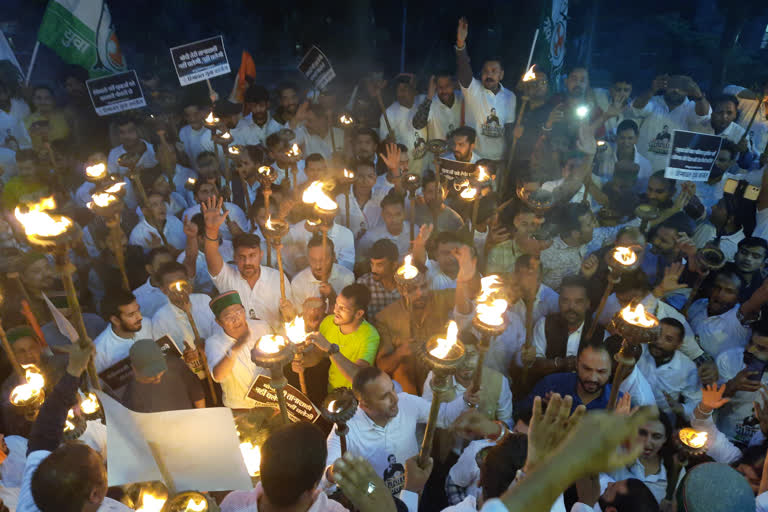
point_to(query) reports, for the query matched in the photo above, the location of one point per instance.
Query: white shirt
(481, 105)
(443, 119)
(540, 340)
(402, 241)
(236, 385)
(729, 244)
(26, 500)
(295, 247)
(322, 145)
(397, 438)
(248, 501)
(7, 164)
(150, 299)
(262, 301)
(607, 163)
(505, 347)
(659, 309)
(637, 386)
(147, 159)
(249, 133)
(273, 126)
(399, 117)
(656, 121)
(235, 214)
(305, 286)
(360, 219)
(466, 473)
(758, 134)
(678, 378)
(657, 483)
(173, 230)
(736, 418)
(203, 282)
(12, 468)
(180, 177)
(717, 333)
(436, 279)
(111, 348)
(546, 302)
(194, 141)
(173, 322)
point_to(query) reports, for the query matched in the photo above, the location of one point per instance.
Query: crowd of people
(183, 288)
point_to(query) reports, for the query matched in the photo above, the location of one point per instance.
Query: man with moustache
(253, 126)
(463, 141)
(440, 111)
(323, 278)
(288, 105)
(749, 263)
(383, 257)
(126, 326)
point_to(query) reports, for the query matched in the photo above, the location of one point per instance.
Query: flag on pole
(6, 53)
(81, 33)
(551, 48)
(245, 77)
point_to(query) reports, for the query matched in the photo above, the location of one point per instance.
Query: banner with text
(692, 155)
(317, 68)
(300, 407)
(454, 170)
(116, 93)
(201, 60)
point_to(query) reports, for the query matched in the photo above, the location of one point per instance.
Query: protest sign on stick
(116, 93)
(300, 407)
(201, 60)
(317, 68)
(692, 155)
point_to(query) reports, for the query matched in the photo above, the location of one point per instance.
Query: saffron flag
(81, 33)
(245, 77)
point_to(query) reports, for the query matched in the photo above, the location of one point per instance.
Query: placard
(201, 60)
(168, 347)
(116, 93)
(118, 375)
(317, 68)
(300, 407)
(692, 155)
(453, 169)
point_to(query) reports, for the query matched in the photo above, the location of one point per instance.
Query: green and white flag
(81, 33)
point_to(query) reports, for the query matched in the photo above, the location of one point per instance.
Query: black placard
(453, 169)
(300, 408)
(692, 155)
(201, 60)
(168, 347)
(317, 68)
(118, 375)
(116, 93)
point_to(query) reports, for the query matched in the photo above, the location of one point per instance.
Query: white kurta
(195, 142)
(147, 159)
(173, 230)
(305, 286)
(111, 348)
(235, 213)
(150, 299)
(262, 302)
(173, 322)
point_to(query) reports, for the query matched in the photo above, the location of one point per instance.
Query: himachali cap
(218, 304)
(22, 331)
(712, 487)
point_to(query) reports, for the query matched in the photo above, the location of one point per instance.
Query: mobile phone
(582, 111)
(751, 192)
(755, 365)
(730, 186)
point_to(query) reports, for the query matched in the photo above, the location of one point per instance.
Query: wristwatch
(333, 349)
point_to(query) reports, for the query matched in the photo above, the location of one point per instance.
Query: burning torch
(273, 353)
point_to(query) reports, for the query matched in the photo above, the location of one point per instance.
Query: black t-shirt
(178, 389)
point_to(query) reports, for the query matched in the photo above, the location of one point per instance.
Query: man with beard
(630, 495)
(229, 350)
(443, 269)
(440, 111)
(722, 122)
(364, 200)
(322, 278)
(749, 264)
(399, 112)
(126, 325)
(258, 286)
(253, 126)
(235, 222)
(149, 296)
(365, 143)
(626, 151)
(717, 320)
(557, 336)
(588, 385)
(485, 99)
(194, 135)
(383, 257)
(431, 201)
(569, 248)
(288, 105)
(349, 341)
(315, 134)
(130, 142)
(385, 424)
(673, 111)
(463, 145)
(670, 373)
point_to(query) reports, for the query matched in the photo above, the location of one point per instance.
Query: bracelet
(698, 408)
(502, 431)
(546, 129)
(210, 239)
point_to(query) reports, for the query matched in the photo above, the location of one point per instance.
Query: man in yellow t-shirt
(345, 337)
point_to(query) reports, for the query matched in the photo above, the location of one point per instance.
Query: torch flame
(314, 222)
(191, 181)
(332, 406)
(265, 170)
(90, 404)
(68, 426)
(252, 457)
(638, 316)
(234, 150)
(345, 119)
(482, 174)
(211, 119)
(490, 308)
(271, 343)
(444, 345)
(226, 135)
(295, 150)
(102, 200)
(468, 193)
(489, 286)
(314, 194)
(96, 171)
(295, 330)
(529, 75)
(178, 286)
(349, 174)
(693, 438)
(408, 271)
(151, 503)
(37, 222)
(624, 255)
(117, 187)
(195, 506)
(33, 387)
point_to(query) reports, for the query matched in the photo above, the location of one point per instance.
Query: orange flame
(234, 150)
(252, 457)
(271, 343)
(102, 200)
(151, 503)
(529, 75)
(117, 187)
(407, 270)
(490, 308)
(638, 316)
(349, 174)
(444, 345)
(295, 330)
(96, 171)
(345, 119)
(211, 119)
(482, 174)
(37, 222)
(195, 506)
(294, 151)
(693, 438)
(624, 255)
(31, 389)
(90, 404)
(314, 194)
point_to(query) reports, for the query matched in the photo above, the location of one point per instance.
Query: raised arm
(213, 220)
(659, 83)
(421, 117)
(463, 67)
(192, 248)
